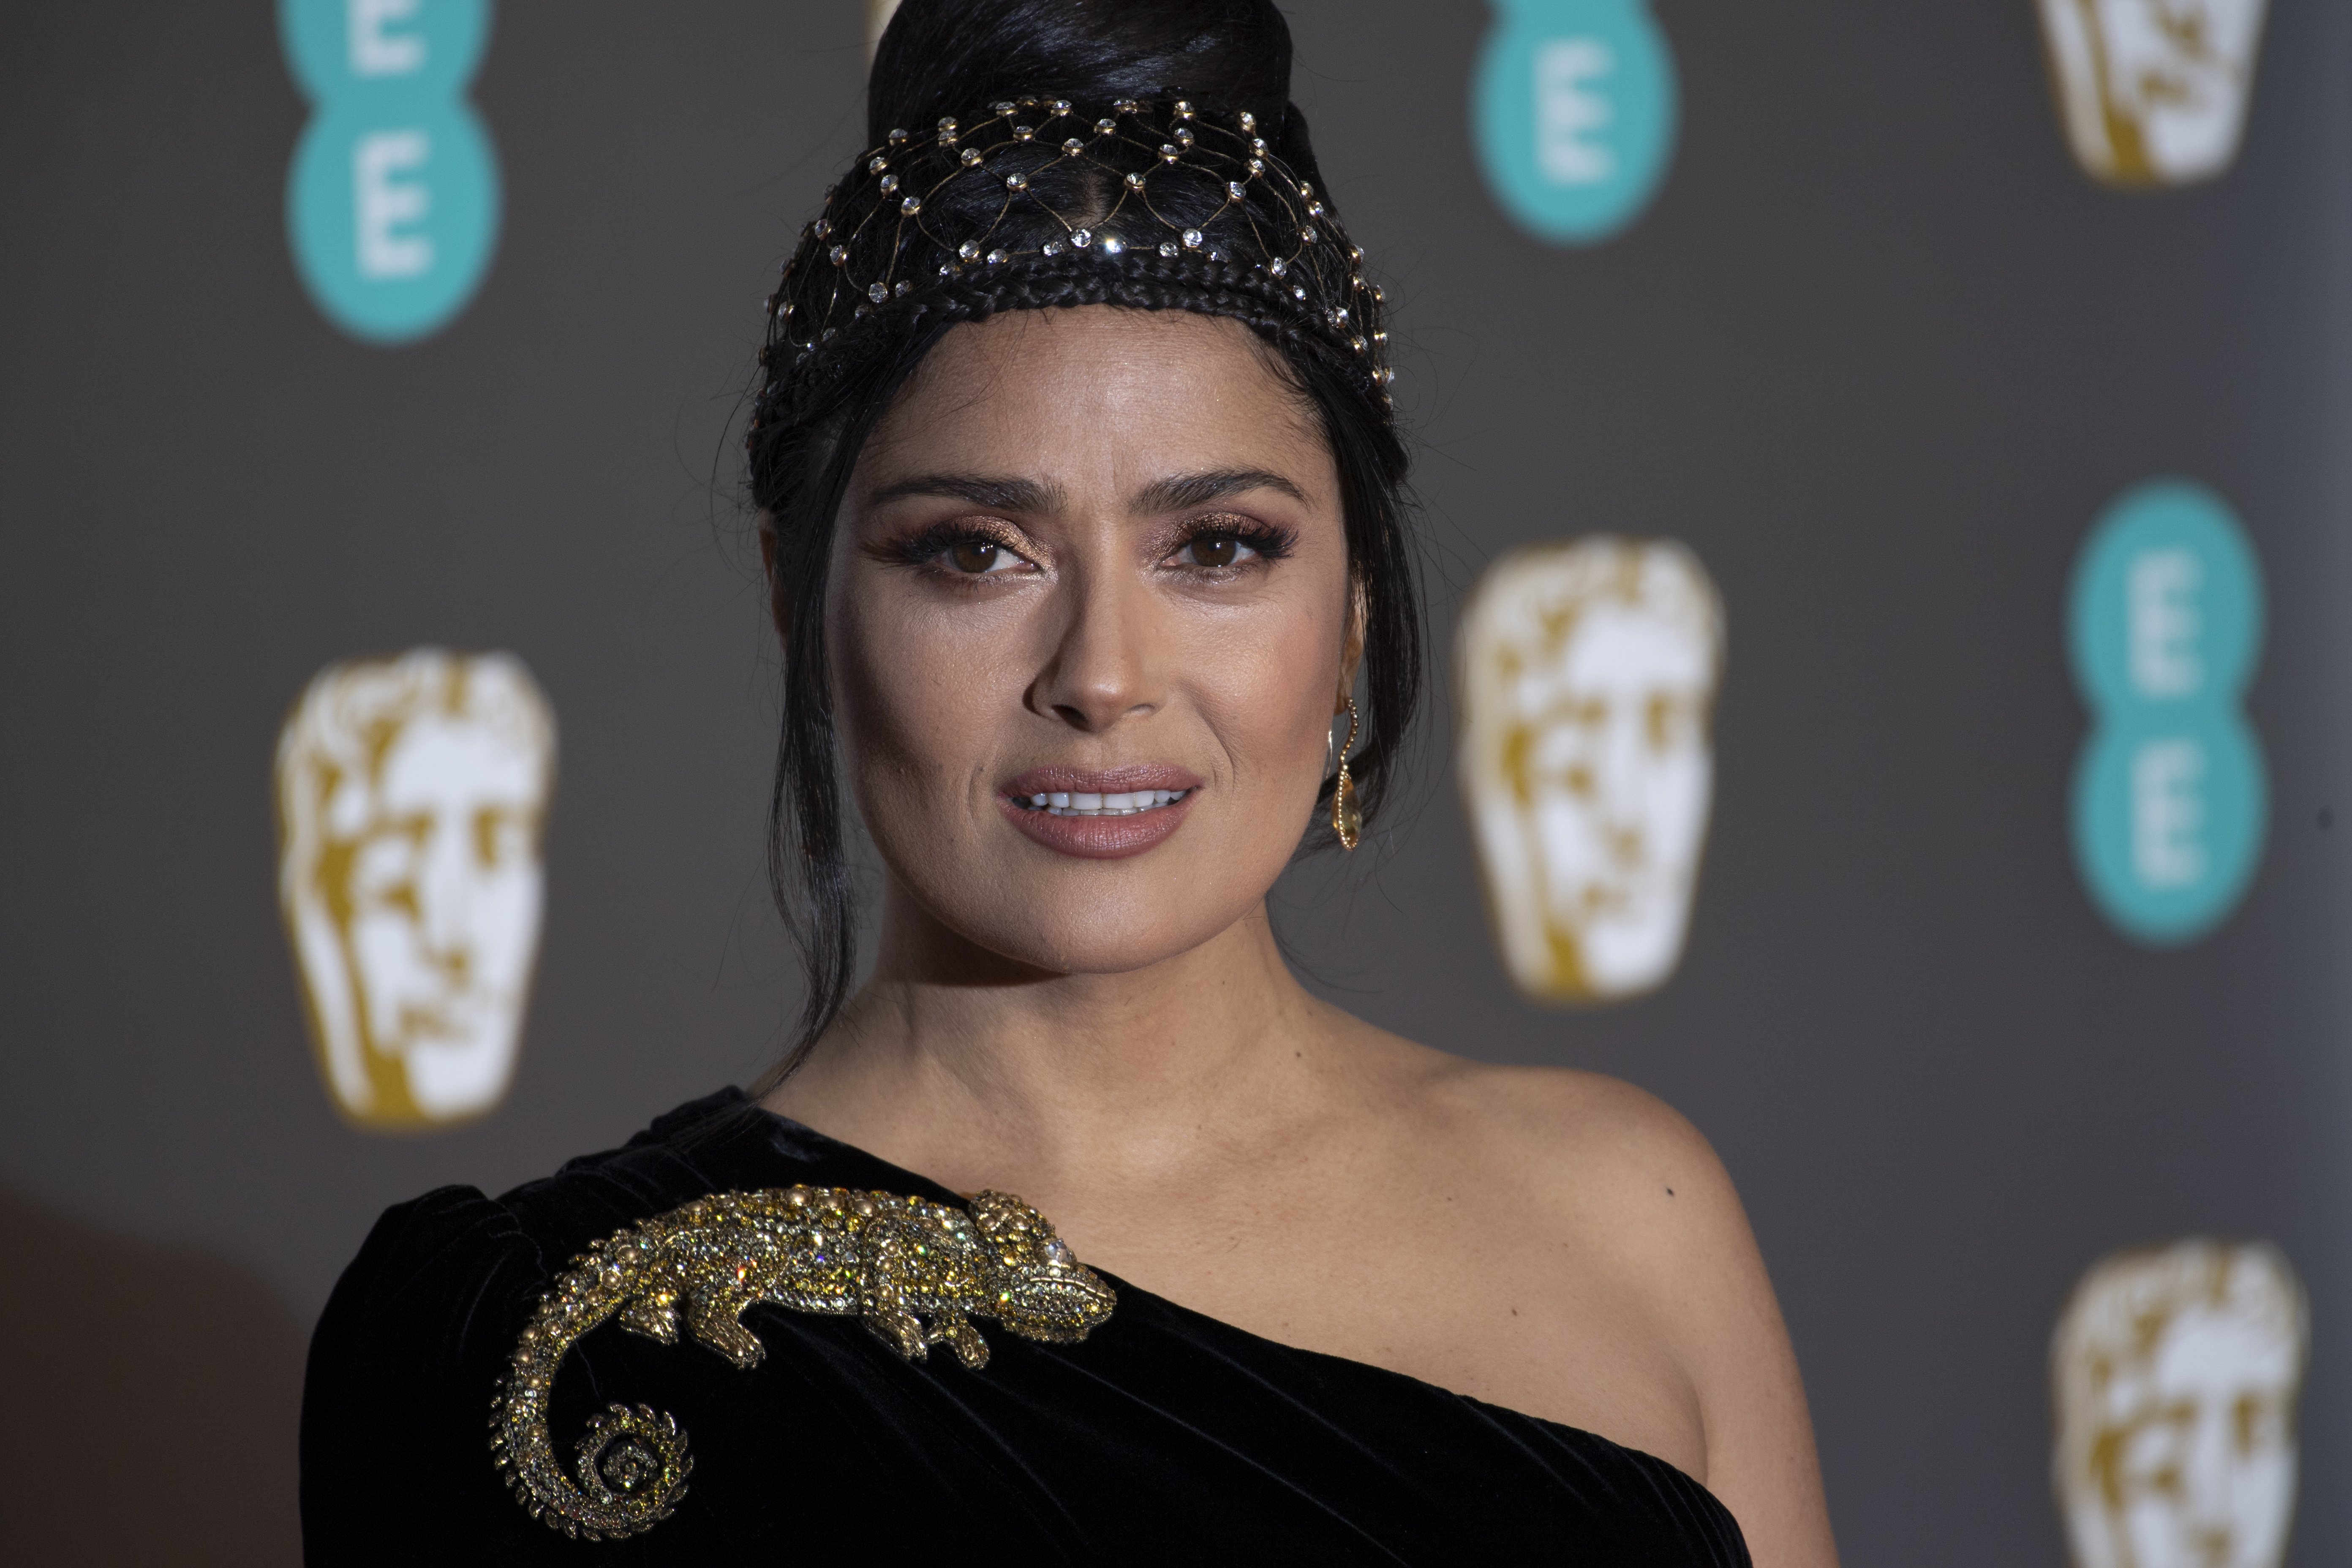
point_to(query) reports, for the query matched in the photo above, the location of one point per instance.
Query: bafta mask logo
(2153, 93)
(1587, 678)
(2175, 1372)
(409, 796)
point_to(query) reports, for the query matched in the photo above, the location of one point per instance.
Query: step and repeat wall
(1882, 471)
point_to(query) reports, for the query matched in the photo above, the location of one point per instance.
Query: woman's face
(1087, 613)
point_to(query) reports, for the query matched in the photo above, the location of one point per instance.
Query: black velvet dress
(1163, 1436)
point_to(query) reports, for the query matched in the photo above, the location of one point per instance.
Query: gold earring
(1346, 820)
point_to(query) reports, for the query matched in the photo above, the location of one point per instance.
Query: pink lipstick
(1100, 813)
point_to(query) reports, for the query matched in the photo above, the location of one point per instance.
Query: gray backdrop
(1879, 353)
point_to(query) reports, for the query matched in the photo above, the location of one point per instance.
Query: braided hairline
(1140, 282)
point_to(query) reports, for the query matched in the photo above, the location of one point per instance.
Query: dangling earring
(1346, 820)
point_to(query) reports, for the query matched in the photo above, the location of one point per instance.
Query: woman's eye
(1216, 550)
(959, 551)
(976, 555)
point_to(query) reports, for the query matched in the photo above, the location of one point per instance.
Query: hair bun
(948, 56)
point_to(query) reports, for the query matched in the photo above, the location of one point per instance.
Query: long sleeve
(396, 1462)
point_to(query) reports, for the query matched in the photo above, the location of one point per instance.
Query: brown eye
(974, 556)
(1214, 549)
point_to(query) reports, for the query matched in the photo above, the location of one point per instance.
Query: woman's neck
(955, 1064)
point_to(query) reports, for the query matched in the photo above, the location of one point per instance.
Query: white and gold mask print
(411, 793)
(2153, 93)
(2176, 1372)
(1588, 673)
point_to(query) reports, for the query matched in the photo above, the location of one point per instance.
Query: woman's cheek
(1270, 693)
(890, 706)
(895, 657)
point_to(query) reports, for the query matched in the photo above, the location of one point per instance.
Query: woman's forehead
(1100, 388)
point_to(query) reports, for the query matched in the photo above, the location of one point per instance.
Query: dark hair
(823, 393)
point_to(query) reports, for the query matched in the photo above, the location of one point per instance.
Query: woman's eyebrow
(1185, 491)
(998, 495)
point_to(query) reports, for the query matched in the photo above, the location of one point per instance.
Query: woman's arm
(1698, 1262)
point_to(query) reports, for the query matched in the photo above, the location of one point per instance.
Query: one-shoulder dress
(1161, 1436)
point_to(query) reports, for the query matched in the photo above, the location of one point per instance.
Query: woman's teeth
(1074, 803)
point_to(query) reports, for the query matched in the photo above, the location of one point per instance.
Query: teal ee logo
(1574, 111)
(2172, 799)
(391, 205)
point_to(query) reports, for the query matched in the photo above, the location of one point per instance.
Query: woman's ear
(1351, 646)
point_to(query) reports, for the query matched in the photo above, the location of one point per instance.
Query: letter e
(380, 203)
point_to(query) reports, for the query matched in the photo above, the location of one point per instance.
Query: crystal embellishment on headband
(1108, 198)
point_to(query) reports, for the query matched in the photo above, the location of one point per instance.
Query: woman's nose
(1107, 664)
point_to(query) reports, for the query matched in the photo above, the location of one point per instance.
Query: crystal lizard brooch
(889, 1260)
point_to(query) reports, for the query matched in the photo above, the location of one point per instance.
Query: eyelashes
(961, 547)
(1218, 546)
(1215, 543)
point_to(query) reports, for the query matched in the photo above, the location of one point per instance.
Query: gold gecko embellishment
(889, 1260)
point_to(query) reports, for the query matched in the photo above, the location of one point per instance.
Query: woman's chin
(1048, 929)
(1058, 895)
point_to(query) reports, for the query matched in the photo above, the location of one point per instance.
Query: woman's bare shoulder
(1622, 1166)
(1556, 1129)
(1631, 1192)
(1556, 1119)
(1627, 1186)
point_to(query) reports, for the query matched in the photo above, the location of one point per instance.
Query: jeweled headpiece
(1038, 203)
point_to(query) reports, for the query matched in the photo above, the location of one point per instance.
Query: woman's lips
(1100, 813)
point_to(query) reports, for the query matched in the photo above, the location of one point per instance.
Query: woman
(1081, 502)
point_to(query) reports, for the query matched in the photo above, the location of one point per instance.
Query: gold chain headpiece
(1038, 203)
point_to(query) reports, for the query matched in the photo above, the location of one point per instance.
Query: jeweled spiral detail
(634, 1456)
(632, 1464)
